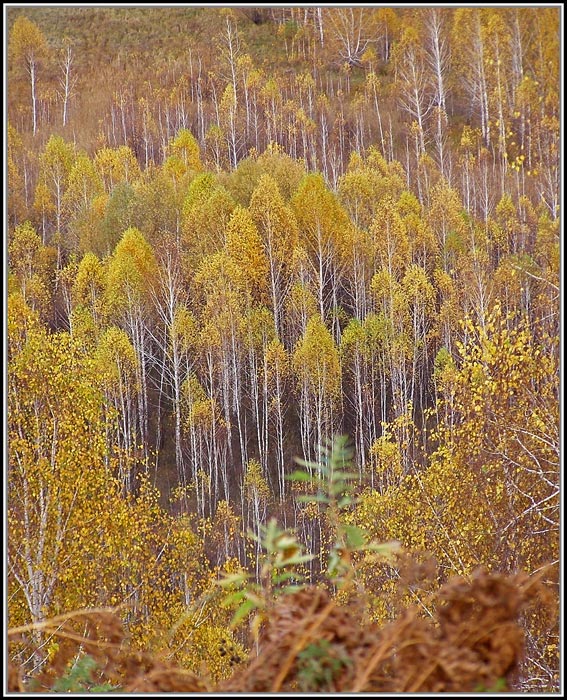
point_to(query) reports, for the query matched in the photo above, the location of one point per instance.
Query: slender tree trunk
(32, 71)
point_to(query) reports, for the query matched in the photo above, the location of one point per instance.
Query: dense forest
(234, 234)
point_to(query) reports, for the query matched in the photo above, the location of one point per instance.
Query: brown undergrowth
(312, 643)
(98, 633)
(474, 642)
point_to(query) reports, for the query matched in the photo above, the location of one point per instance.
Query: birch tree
(27, 46)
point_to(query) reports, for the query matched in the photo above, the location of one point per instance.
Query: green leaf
(292, 589)
(354, 536)
(305, 463)
(334, 561)
(284, 576)
(292, 561)
(104, 688)
(344, 476)
(233, 598)
(231, 579)
(285, 541)
(384, 548)
(256, 600)
(319, 497)
(242, 611)
(299, 476)
(299, 559)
